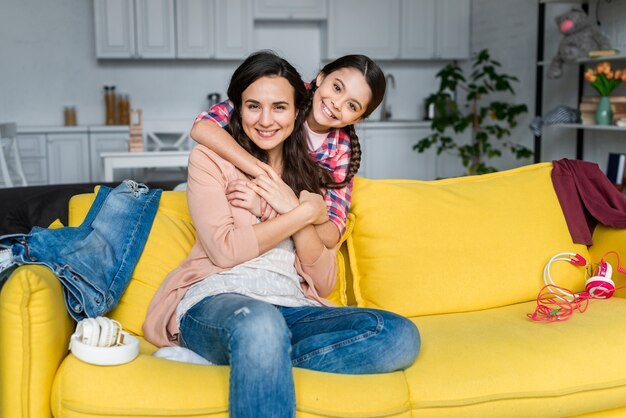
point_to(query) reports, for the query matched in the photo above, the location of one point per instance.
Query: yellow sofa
(463, 258)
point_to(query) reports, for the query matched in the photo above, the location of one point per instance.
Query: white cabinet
(435, 29)
(103, 141)
(290, 9)
(134, 28)
(399, 29)
(68, 158)
(33, 153)
(233, 29)
(195, 35)
(154, 20)
(452, 30)
(387, 151)
(369, 27)
(197, 29)
(220, 29)
(56, 155)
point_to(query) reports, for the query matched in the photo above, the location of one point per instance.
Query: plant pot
(604, 115)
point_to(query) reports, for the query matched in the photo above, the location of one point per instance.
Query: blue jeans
(261, 342)
(94, 261)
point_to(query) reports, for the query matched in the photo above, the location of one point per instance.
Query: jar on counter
(123, 110)
(109, 101)
(69, 116)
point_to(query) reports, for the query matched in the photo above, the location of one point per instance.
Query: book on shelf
(615, 168)
(588, 118)
(596, 99)
(616, 107)
(602, 52)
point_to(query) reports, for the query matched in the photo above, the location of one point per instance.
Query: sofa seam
(408, 392)
(26, 330)
(514, 396)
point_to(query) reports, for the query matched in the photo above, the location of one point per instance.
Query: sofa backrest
(460, 244)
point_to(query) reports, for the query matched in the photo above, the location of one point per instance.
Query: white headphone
(99, 332)
(599, 286)
(102, 341)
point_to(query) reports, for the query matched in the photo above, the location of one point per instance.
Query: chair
(8, 139)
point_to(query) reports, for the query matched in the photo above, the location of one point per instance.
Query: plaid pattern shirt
(333, 155)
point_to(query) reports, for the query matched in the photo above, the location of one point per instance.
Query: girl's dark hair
(299, 170)
(375, 79)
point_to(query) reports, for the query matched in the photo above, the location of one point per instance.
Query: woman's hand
(240, 195)
(317, 206)
(274, 190)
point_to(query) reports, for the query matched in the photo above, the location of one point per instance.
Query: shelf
(616, 57)
(565, 1)
(588, 127)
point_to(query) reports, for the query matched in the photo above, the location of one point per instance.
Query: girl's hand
(317, 206)
(240, 195)
(267, 211)
(274, 190)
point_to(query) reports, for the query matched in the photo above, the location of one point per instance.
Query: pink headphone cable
(555, 303)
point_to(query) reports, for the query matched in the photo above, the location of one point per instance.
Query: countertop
(70, 129)
(367, 124)
(394, 123)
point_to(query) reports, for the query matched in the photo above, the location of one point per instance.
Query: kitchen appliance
(214, 98)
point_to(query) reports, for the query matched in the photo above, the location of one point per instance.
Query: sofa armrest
(35, 330)
(607, 239)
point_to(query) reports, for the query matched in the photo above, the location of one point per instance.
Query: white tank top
(272, 277)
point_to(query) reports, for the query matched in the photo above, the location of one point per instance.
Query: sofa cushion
(153, 387)
(461, 244)
(170, 240)
(498, 363)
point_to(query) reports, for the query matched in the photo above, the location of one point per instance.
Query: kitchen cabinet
(233, 29)
(399, 29)
(60, 154)
(102, 140)
(154, 21)
(134, 28)
(369, 27)
(387, 151)
(290, 9)
(452, 28)
(68, 158)
(186, 29)
(195, 38)
(34, 155)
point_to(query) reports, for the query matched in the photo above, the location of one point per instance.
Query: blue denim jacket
(95, 260)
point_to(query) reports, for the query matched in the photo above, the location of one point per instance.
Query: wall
(49, 62)
(509, 29)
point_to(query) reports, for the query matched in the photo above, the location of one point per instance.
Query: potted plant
(490, 121)
(604, 80)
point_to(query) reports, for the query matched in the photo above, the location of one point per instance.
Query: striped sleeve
(218, 113)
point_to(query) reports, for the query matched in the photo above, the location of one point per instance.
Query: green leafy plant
(490, 121)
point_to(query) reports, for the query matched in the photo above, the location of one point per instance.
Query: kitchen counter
(70, 129)
(394, 123)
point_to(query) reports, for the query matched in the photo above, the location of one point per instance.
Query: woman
(251, 293)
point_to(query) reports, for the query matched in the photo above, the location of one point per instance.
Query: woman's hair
(299, 170)
(375, 79)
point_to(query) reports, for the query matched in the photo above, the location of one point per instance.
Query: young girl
(345, 92)
(251, 293)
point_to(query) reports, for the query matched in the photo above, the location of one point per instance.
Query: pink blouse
(225, 238)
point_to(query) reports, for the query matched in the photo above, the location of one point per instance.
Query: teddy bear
(579, 37)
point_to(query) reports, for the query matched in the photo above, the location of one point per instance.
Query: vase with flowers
(604, 80)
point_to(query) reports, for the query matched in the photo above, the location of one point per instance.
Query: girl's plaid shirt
(333, 155)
